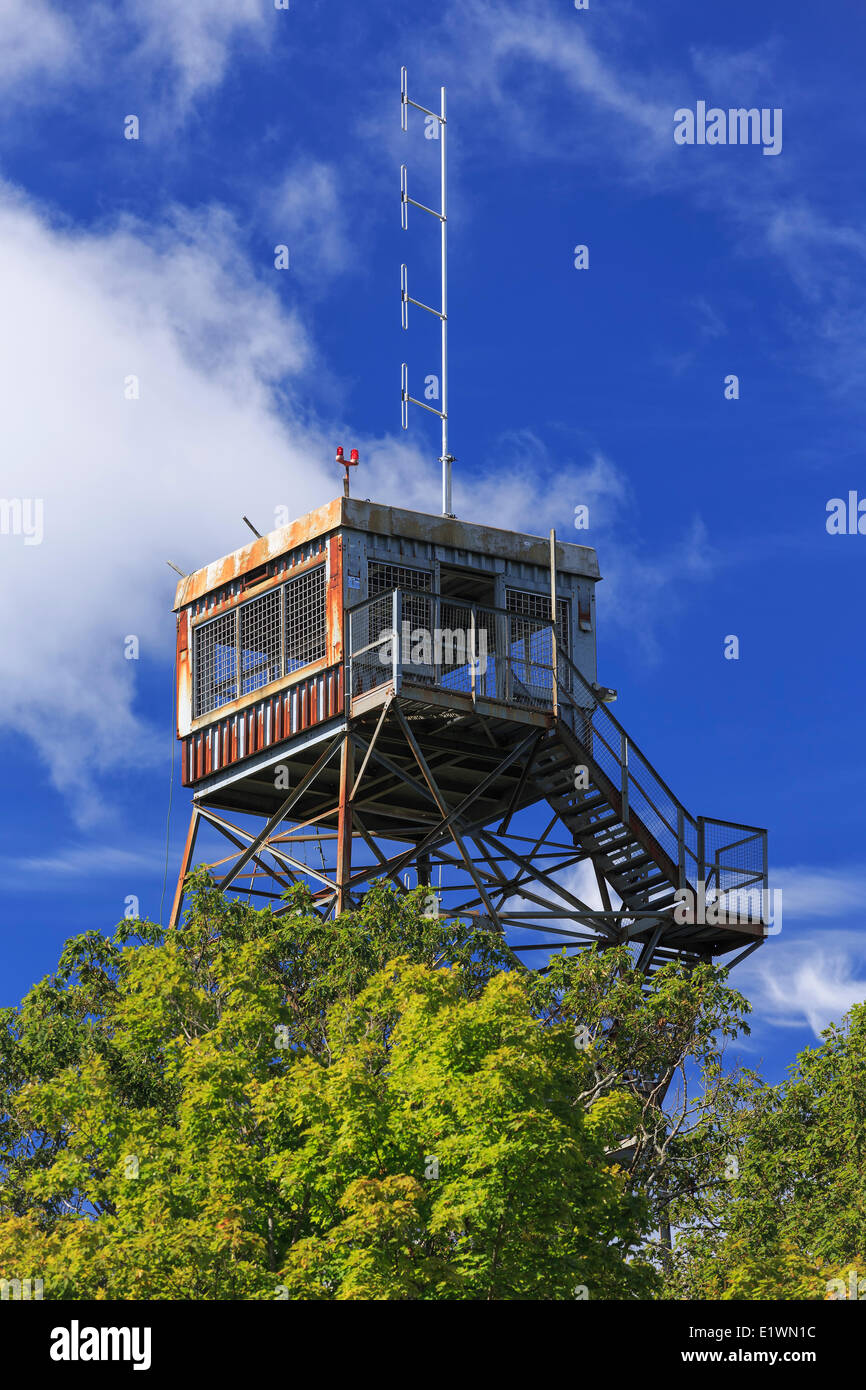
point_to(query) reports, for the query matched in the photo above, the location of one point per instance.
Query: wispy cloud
(809, 892)
(810, 976)
(747, 72)
(709, 322)
(195, 42)
(34, 41)
(806, 980)
(78, 861)
(184, 48)
(614, 111)
(307, 213)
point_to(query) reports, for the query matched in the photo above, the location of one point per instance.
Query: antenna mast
(446, 458)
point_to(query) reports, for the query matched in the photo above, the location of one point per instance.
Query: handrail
(623, 751)
(632, 745)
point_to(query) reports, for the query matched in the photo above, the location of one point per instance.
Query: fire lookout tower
(391, 693)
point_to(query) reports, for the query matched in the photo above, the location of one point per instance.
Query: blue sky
(155, 258)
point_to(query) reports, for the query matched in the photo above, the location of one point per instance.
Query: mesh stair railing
(646, 841)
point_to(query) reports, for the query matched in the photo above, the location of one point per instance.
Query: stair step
(659, 905)
(621, 848)
(644, 883)
(596, 827)
(641, 884)
(633, 869)
(639, 861)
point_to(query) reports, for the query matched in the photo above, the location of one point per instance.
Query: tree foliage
(386, 1105)
(772, 1185)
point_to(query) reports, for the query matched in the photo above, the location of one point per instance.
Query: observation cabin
(390, 693)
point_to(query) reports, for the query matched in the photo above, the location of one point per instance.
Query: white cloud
(308, 213)
(614, 110)
(807, 980)
(219, 429)
(34, 41)
(741, 76)
(127, 484)
(808, 893)
(81, 860)
(195, 40)
(186, 47)
(711, 324)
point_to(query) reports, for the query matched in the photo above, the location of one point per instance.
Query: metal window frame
(235, 614)
(196, 661)
(563, 604)
(308, 578)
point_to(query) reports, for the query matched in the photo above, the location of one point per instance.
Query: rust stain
(259, 552)
(183, 702)
(218, 745)
(334, 604)
(377, 519)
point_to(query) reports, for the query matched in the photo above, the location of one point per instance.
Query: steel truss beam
(407, 801)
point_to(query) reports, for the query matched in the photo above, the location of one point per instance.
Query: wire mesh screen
(733, 856)
(532, 605)
(305, 619)
(261, 657)
(260, 641)
(653, 805)
(531, 645)
(370, 639)
(465, 636)
(381, 578)
(216, 665)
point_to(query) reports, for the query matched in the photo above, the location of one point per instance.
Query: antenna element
(446, 459)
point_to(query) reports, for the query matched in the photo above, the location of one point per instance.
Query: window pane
(381, 578)
(261, 660)
(215, 659)
(305, 619)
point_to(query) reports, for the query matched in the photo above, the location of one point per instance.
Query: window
(305, 619)
(381, 578)
(216, 676)
(260, 641)
(530, 643)
(526, 605)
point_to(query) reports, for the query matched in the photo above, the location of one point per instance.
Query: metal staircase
(620, 815)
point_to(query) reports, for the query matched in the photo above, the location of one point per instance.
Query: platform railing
(420, 639)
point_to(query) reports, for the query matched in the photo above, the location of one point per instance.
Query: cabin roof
(350, 513)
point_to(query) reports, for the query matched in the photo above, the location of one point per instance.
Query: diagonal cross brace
(282, 812)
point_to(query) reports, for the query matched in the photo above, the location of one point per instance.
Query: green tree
(772, 1199)
(381, 1106)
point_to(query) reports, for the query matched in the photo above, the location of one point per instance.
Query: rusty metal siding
(183, 674)
(226, 573)
(414, 532)
(270, 721)
(334, 601)
(305, 557)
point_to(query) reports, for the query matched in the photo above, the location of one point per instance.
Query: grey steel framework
(495, 773)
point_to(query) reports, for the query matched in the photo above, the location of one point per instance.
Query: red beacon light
(350, 462)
